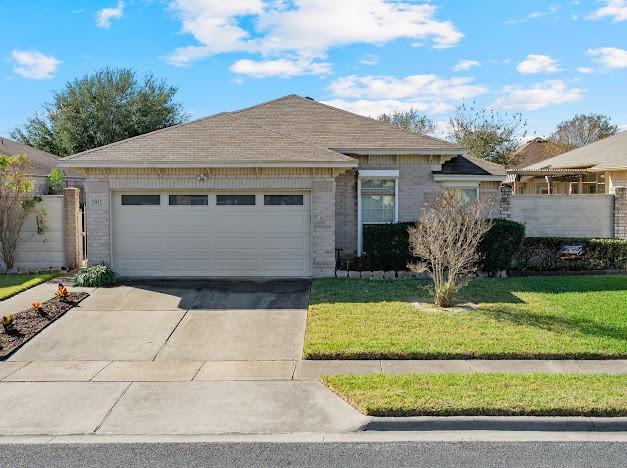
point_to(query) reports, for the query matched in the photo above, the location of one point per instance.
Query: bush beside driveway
(582, 317)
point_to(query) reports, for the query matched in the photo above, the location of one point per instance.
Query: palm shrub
(95, 276)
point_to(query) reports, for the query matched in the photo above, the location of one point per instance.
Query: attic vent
(310, 98)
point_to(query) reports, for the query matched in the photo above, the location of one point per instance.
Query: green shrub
(543, 254)
(500, 245)
(387, 246)
(8, 324)
(56, 182)
(95, 276)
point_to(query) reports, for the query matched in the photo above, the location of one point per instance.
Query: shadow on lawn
(556, 324)
(480, 290)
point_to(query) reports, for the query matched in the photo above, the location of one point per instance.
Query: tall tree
(409, 120)
(101, 108)
(579, 131)
(486, 133)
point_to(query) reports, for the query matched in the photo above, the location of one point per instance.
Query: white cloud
(535, 15)
(465, 64)
(306, 28)
(616, 9)
(548, 93)
(622, 127)
(106, 15)
(370, 59)
(370, 95)
(34, 65)
(284, 68)
(585, 70)
(611, 57)
(538, 64)
(373, 108)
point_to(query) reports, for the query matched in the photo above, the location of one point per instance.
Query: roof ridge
(137, 137)
(289, 137)
(370, 119)
(266, 102)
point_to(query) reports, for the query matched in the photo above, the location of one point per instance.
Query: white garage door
(211, 234)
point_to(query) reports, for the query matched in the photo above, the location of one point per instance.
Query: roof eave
(190, 165)
(407, 151)
(467, 177)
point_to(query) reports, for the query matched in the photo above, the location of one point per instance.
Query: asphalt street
(326, 454)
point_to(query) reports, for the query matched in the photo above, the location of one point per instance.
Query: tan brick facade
(620, 213)
(320, 182)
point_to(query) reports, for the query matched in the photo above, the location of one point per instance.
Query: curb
(498, 423)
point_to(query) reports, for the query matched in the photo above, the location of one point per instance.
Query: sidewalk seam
(97, 373)
(174, 329)
(111, 409)
(19, 368)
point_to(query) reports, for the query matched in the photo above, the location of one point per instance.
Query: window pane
(377, 208)
(235, 200)
(189, 199)
(385, 184)
(282, 200)
(467, 195)
(129, 200)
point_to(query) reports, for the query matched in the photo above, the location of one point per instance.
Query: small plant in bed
(8, 324)
(20, 327)
(95, 276)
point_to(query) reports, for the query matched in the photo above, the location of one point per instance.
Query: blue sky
(546, 59)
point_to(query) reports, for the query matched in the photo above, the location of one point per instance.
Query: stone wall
(561, 215)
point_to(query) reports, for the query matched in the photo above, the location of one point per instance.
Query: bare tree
(487, 134)
(446, 240)
(15, 203)
(579, 131)
(409, 120)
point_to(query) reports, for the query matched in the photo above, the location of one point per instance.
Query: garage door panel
(212, 240)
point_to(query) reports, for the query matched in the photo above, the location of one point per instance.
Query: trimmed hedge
(542, 254)
(387, 246)
(500, 245)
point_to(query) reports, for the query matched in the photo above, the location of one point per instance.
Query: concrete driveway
(179, 321)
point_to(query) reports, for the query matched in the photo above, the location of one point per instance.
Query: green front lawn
(484, 394)
(525, 318)
(10, 285)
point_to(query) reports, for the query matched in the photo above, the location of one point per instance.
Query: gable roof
(219, 140)
(468, 165)
(341, 130)
(531, 152)
(602, 155)
(42, 162)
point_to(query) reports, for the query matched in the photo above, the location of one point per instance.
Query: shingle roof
(220, 139)
(609, 153)
(338, 129)
(468, 165)
(530, 153)
(42, 161)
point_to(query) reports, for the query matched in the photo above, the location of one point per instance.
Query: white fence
(42, 251)
(565, 215)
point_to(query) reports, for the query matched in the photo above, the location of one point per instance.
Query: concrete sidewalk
(267, 370)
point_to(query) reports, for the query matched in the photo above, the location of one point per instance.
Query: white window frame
(464, 185)
(367, 174)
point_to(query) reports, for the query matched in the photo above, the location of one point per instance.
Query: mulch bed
(29, 322)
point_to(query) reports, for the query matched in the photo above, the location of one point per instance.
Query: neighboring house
(272, 190)
(592, 169)
(532, 152)
(42, 164)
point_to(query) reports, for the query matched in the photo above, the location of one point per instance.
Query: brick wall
(346, 213)
(321, 183)
(620, 213)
